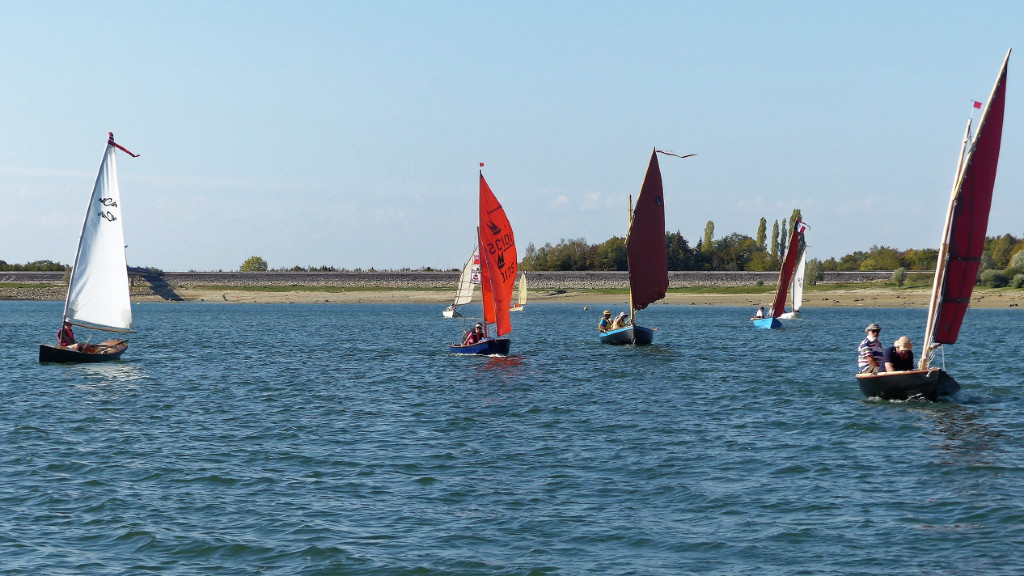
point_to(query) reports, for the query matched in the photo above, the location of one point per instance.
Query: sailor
(606, 322)
(66, 337)
(870, 352)
(475, 336)
(620, 321)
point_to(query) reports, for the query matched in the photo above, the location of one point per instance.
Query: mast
(940, 263)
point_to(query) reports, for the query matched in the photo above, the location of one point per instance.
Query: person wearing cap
(870, 353)
(900, 356)
(620, 321)
(606, 322)
(476, 335)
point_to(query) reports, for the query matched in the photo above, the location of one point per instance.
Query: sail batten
(98, 295)
(646, 253)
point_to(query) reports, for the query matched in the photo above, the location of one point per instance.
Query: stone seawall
(439, 280)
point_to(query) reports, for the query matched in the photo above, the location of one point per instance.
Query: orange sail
(498, 260)
(645, 242)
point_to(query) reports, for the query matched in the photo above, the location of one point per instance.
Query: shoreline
(859, 297)
(870, 297)
(605, 289)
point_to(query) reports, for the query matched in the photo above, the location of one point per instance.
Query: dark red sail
(645, 242)
(969, 221)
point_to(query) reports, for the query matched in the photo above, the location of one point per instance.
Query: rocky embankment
(51, 285)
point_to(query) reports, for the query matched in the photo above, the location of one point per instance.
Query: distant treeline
(739, 252)
(37, 266)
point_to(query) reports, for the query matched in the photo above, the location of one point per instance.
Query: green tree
(254, 264)
(881, 258)
(814, 272)
(610, 255)
(899, 276)
(1001, 248)
(709, 234)
(775, 240)
(783, 239)
(762, 234)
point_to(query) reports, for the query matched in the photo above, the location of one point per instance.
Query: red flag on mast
(977, 105)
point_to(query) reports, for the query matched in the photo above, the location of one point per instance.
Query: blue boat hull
(636, 335)
(767, 323)
(488, 347)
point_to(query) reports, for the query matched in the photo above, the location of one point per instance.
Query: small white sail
(98, 291)
(469, 278)
(798, 284)
(518, 303)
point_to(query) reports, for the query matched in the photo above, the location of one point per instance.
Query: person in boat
(900, 356)
(605, 323)
(620, 321)
(759, 313)
(870, 353)
(475, 336)
(66, 336)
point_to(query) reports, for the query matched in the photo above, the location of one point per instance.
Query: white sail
(98, 291)
(798, 283)
(520, 301)
(469, 278)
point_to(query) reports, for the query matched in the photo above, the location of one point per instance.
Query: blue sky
(350, 133)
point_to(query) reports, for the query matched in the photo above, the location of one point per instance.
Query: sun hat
(873, 326)
(903, 343)
(607, 312)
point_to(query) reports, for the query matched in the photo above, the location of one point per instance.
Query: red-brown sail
(645, 242)
(786, 273)
(969, 221)
(498, 260)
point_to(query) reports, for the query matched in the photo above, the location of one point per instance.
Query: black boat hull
(931, 384)
(103, 352)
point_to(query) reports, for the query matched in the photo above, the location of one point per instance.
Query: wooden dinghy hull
(636, 335)
(103, 352)
(487, 347)
(932, 384)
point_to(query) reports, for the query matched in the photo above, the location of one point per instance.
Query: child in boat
(475, 336)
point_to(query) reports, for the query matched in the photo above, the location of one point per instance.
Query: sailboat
(960, 250)
(785, 275)
(797, 288)
(98, 296)
(469, 279)
(519, 303)
(646, 257)
(498, 264)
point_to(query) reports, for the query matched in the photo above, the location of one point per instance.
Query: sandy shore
(869, 297)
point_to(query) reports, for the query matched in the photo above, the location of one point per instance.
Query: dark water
(342, 439)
